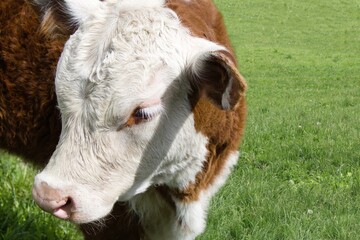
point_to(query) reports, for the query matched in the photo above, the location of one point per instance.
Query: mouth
(64, 212)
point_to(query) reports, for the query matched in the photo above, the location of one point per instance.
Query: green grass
(299, 173)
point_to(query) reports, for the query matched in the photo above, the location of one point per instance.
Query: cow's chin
(90, 214)
(90, 206)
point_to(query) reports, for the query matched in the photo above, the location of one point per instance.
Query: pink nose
(52, 200)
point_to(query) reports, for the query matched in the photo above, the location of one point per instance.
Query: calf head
(124, 84)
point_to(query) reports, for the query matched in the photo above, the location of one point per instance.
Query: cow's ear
(215, 75)
(64, 16)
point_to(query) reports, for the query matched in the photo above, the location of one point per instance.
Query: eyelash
(141, 115)
(148, 113)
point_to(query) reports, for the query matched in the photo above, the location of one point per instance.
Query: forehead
(133, 38)
(128, 57)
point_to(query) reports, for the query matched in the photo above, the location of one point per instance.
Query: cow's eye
(147, 113)
(142, 114)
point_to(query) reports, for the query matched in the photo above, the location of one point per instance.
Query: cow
(152, 109)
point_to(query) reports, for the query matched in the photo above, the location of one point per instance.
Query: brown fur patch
(223, 128)
(29, 120)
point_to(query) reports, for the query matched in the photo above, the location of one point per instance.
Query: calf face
(124, 85)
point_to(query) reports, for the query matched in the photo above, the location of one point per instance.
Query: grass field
(299, 173)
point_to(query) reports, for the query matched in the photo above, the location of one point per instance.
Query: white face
(125, 110)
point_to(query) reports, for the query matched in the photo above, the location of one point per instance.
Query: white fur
(189, 220)
(193, 215)
(81, 10)
(128, 5)
(114, 63)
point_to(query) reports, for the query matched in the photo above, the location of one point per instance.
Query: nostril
(68, 202)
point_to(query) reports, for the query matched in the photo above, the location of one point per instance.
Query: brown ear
(215, 75)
